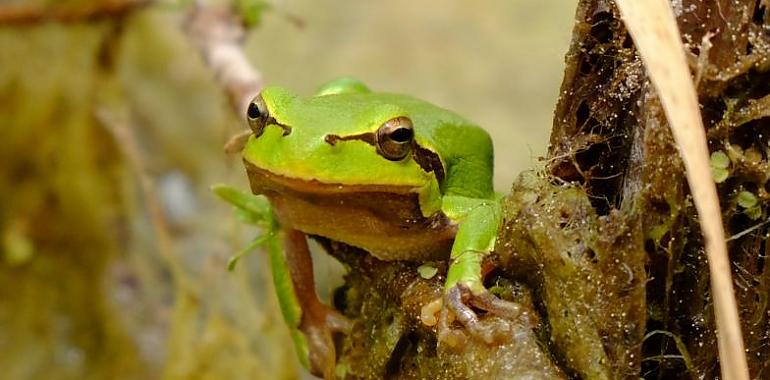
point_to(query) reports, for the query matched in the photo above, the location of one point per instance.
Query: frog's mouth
(385, 220)
(267, 183)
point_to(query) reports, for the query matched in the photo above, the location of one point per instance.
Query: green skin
(327, 146)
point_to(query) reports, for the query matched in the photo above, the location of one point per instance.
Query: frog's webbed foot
(460, 304)
(319, 327)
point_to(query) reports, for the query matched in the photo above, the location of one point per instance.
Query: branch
(25, 14)
(218, 34)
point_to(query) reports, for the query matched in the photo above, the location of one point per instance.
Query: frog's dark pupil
(253, 111)
(401, 135)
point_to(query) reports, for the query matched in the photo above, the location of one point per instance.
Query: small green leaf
(719, 164)
(427, 271)
(719, 175)
(241, 199)
(234, 259)
(754, 213)
(753, 155)
(719, 160)
(747, 199)
(249, 217)
(250, 208)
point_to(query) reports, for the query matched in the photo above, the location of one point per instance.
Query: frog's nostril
(332, 139)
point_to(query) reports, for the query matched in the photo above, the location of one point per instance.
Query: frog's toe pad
(459, 305)
(337, 323)
(319, 329)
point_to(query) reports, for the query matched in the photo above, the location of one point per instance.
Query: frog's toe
(460, 304)
(319, 328)
(337, 322)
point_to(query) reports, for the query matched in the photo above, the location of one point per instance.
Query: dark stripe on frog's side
(428, 160)
(383, 220)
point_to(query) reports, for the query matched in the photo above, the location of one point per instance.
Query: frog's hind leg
(318, 321)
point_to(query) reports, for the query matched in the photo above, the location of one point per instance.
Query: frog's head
(344, 139)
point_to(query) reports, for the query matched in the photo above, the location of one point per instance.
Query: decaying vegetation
(611, 140)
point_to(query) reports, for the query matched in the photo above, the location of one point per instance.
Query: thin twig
(218, 34)
(747, 231)
(118, 126)
(22, 14)
(753, 110)
(653, 27)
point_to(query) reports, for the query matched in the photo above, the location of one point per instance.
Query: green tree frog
(391, 174)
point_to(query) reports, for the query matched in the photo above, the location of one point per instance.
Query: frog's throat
(265, 180)
(385, 220)
(427, 159)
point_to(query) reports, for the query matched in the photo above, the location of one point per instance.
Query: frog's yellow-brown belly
(384, 220)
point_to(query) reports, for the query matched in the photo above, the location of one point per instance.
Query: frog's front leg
(316, 321)
(464, 289)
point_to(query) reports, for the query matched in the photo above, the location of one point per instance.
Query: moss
(388, 340)
(588, 272)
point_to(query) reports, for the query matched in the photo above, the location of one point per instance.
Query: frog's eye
(257, 115)
(394, 138)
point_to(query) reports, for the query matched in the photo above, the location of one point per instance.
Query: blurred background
(113, 250)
